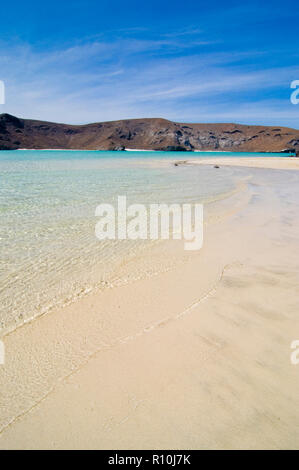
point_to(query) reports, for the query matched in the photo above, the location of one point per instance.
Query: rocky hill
(151, 133)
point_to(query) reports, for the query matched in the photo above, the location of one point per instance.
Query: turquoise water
(49, 252)
(25, 155)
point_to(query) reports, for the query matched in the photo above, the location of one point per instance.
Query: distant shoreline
(286, 154)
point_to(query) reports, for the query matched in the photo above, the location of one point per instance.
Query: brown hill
(150, 133)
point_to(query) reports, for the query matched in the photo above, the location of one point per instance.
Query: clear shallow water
(27, 155)
(49, 252)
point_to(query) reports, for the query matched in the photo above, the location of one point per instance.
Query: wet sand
(195, 356)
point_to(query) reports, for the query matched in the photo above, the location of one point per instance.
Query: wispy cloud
(126, 78)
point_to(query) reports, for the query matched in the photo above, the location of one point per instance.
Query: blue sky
(192, 61)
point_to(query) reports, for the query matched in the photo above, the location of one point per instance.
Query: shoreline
(279, 163)
(283, 154)
(145, 365)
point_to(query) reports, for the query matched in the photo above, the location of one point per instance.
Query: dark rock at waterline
(289, 150)
(7, 147)
(182, 162)
(119, 148)
(216, 166)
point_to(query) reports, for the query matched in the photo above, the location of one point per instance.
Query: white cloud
(100, 81)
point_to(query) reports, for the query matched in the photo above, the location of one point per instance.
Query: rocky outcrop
(119, 148)
(174, 148)
(155, 134)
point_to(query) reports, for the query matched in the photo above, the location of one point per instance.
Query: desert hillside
(150, 133)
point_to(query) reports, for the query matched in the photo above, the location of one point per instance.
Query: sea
(49, 254)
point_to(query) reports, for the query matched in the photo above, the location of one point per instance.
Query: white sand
(197, 356)
(280, 163)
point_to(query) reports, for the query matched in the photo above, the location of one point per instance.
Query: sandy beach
(194, 356)
(278, 163)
